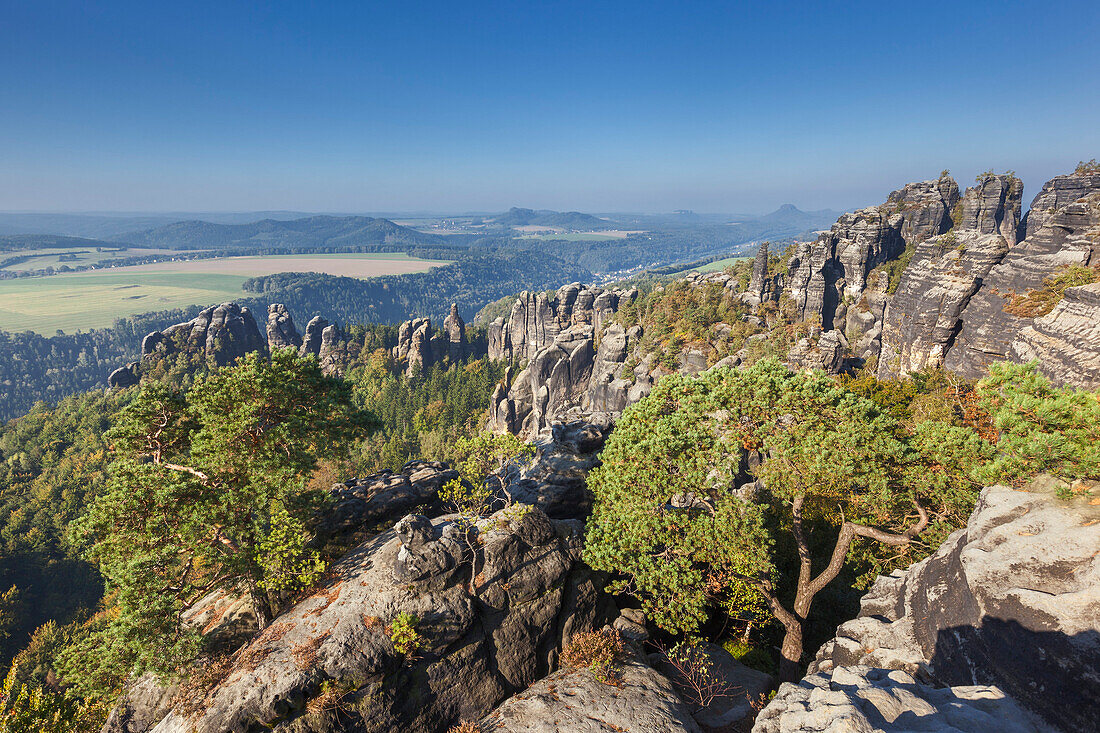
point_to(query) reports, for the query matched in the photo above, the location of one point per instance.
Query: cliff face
(536, 320)
(828, 275)
(921, 319)
(1059, 231)
(1004, 616)
(419, 345)
(575, 359)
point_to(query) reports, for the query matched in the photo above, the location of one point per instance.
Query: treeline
(37, 368)
(471, 282)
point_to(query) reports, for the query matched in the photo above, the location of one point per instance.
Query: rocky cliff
(922, 280)
(419, 345)
(1003, 618)
(221, 334)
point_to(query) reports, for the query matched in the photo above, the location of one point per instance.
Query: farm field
(720, 264)
(348, 265)
(56, 257)
(94, 299)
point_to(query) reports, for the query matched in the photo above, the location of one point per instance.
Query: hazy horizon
(616, 107)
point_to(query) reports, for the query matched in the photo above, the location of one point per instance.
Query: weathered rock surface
(1060, 232)
(383, 497)
(865, 699)
(830, 273)
(126, 376)
(1066, 341)
(455, 329)
(581, 371)
(219, 336)
(142, 705)
(536, 320)
(925, 314)
(747, 687)
(826, 352)
(1011, 601)
(311, 342)
(555, 481)
(486, 635)
(281, 333)
(420, 346)
(642, 700)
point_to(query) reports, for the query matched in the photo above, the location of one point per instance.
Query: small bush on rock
(598, 651)
(402, 632)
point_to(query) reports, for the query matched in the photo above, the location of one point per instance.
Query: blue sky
(597, 106)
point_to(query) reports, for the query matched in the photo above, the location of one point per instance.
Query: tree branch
(185, 469)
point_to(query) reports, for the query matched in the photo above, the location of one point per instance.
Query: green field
(95, 298)
(718, 265)
(85, 301)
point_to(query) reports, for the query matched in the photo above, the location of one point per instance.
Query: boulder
(126, 376)
(640, 700)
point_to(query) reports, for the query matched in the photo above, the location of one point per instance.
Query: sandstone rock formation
(1066, 341)
(486, 634)
(828, 275)
(863, 698)
(455, 329)
(1010, 603)
(420, 346)
(1059, 231)
(642, 700)
(363, 503)
(311, 342)
(217, 336)
(536, 320)
(281, 333)
(555, 480)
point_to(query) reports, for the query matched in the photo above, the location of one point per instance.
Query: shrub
(402, 632)
(1040, 302)
(1087, 167)
(694, 676)
(598, 651)
(466, 727)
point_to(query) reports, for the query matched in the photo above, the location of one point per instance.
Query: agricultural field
(94, 299)
(56, 257)
(718, 265)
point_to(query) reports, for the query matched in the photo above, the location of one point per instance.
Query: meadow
(94, 299)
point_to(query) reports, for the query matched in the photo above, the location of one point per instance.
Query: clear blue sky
(598, 106)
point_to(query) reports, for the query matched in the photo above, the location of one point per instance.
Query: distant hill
(574, 220)
(312, 231)
(789, 215)
(16, 242)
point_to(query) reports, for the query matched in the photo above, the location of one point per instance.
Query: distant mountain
(516, 217)
(789, 215)
(312, 231)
